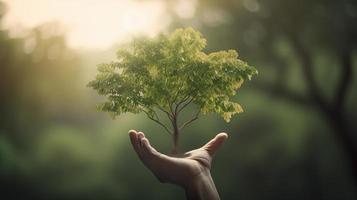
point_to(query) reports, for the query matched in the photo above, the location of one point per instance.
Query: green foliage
(168, 73)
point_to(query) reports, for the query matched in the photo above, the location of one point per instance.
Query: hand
(190, 170)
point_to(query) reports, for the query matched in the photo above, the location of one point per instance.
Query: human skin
(191, 170)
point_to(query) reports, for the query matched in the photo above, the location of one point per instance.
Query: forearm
(202, 188)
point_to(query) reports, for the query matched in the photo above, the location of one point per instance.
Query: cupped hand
(177, 169)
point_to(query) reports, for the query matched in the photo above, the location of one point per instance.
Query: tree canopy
(168, 73)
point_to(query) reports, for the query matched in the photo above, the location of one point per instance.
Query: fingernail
(223, 134)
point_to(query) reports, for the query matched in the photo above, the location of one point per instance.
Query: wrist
(201, 187)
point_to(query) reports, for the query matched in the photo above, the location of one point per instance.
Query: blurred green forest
(296, 139)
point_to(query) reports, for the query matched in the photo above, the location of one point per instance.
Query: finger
(213, 145)
(139, 150)
(141, 135)
(153, 159)
(135, 142)
(147, 148)
(134, 139)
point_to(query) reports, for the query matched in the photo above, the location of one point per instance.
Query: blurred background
(297, 138)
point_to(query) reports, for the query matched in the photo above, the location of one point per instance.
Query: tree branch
(179, 103)
(178, 92)
(184, 105)
(185, 99)
(195, 117)
(157, 121)
(307, 68)
(345, 79)
(278, 87)
(282, 92)
(170, 116)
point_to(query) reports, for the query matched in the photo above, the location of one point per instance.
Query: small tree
(167, 74)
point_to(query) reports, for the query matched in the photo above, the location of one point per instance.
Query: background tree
(297, 41)
(54, 145)
(168, 73)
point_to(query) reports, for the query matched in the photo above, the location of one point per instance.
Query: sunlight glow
(89, 23)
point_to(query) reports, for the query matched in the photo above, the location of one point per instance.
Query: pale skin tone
(191, 170)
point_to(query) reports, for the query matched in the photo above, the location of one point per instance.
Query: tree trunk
(175, 137)
(343, 135)
(334, 113)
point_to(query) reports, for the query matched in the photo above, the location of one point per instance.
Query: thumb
(213, 145)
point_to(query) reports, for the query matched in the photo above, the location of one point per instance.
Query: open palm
(183, 169)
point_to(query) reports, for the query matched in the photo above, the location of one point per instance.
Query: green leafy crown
(169, 72)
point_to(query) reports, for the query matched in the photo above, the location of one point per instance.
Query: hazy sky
(89, 23)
